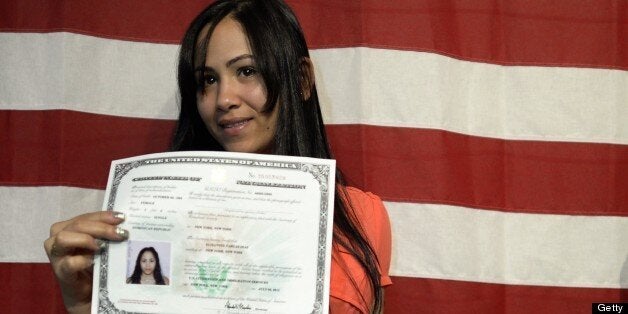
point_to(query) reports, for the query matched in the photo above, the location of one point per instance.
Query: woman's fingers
(82, 233)
(107, 217)
(96, 229)
(71, 247)
(71, 254)
(67, 242)
(75, 263)
(70, 266)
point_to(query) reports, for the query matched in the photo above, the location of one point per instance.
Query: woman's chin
(240, 148)
(247, 147)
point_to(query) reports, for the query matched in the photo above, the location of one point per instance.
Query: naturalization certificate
(218, 232)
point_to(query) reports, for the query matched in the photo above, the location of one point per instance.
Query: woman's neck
(147, 279)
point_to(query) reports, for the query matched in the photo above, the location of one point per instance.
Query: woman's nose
(228, 95)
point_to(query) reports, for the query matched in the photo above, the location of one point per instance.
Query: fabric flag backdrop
(496, 132)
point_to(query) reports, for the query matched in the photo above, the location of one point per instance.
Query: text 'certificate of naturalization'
(218, 232)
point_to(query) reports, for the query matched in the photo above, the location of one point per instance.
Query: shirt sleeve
(350, 288)
(379, 234)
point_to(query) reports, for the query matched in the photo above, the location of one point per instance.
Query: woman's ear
(306, 76)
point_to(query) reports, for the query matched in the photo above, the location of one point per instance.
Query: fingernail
(101, 244)
(119, 215)
(122, 233)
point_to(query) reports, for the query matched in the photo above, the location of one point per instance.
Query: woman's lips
(233, 127)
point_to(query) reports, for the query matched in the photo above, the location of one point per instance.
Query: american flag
(496, 132)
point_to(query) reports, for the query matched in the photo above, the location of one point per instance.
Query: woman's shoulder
(346, 271)
(355, 192)
(366, 205)
(372, 218)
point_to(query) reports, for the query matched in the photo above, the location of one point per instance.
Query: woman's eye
(247, 71)
(209, 80)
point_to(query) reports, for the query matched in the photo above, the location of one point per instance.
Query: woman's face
(147, 263)
(233, 97)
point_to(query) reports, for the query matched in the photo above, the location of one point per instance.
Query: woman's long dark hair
(137, 272)
(279, 47)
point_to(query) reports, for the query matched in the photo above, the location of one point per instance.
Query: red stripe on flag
(558, 33)
(135, 20)
(423, 295)
(435, 166)
(29, 288)
(70, 148)
(406, 295)
(59, 147)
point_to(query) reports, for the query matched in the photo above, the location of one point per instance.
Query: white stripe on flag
(429, 241)
(28, 212)
(357, 85)
(88, 74)
(458, 243)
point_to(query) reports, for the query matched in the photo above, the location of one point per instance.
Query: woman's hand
(71, 248)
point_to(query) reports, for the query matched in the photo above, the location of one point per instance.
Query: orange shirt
(344, 297)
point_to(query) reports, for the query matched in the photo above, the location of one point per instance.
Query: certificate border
(320, 172)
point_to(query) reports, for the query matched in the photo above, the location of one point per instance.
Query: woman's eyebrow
(228, 64)
(238, 58)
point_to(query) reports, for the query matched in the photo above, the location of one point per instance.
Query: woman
(247, 85)
(147, 269)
